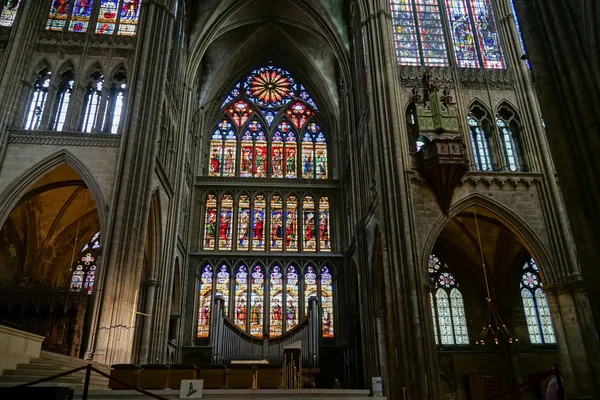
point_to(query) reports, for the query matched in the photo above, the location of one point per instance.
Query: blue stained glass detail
(232, 95)
(306, 97)
(462, 34)
(514, 11)
(270, 87)
(269, 116)
(405, 32)
(487, 33)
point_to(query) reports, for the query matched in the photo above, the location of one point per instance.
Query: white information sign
(191, 389)
(377, 386)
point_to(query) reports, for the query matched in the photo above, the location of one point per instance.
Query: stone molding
(488, 178)
(481, 78)
(65, 139)
(564, 286)
(411, 76)
(215, 181)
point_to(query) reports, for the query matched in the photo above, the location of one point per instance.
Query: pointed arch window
(310, 286)
(37, 100)
(115, 102)
(83, 274)
(477, 121)
(291, 297)
(9, 11)
(80, 16)
(210, 222)
(257, 291)
(448, 307)
(65, 89)
(258, 223)
(222, 286)
(535, 305)
(226, 222)
(509, 130)
(93, 99)
(243, 234)
(418, 32)
(276, 302)
(310, 239)
(276, 223)
(271, 121)
(205, 306)
(241, 297)
(291, 224)
(327, 316)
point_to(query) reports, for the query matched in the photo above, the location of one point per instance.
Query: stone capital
(151, 283)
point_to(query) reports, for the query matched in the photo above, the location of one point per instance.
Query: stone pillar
(577, 349)
(147, 327)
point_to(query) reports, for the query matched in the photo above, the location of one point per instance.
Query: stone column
(147, 327)
(576, 337)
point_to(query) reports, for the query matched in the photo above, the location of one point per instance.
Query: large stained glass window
(479, 142)
(258, 223)
(509, 145)
(83, 274)
(226, 222)
(535, 305)
(418, 32)
(205, 301)
(309, 236)
(222, 286)
(257, 292)
(448, 309)
(272, 123)
(9, 11)
(291, 297)
(474, 34)
(276, 303)
(59, 12)
(276, 223)
(291, 223)
(37, 101)
(107, 17)
(327, 302)
(80, 16)
(310, 286)
(243, 233)
(241, 297)
(324, 236)
(210, 223)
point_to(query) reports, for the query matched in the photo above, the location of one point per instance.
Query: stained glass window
(241, 297)
(222, 146)
(418, 32)
(226, 222)
(129, 17)
(205, 303)
(299, 113)
(210, 223)
(270, 86)
(276, 223)
(59, 12)
(308, 156)
(447, 306)
(276, 302)
(83, 276)
(518, 26)
(309, 236)
(239, 112)
(291, 148)
(487, 34)
(535, 305)
(9, 12)
(291, 297)
(80, 16)
(107, 17)
(320, 153)
(37, 101)
(257, 301)
(479, 142)
(509, 145)
(291, 224)
(93, 100)
(65, 89)
(277, 155)
(260, 155)
(462, 34)
(222, 286)
(310, 286)
(246, 157)
(327, 303)
(324, 236)
(258, 223)
(243, 233)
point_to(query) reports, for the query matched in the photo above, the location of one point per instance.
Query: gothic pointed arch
(92, 112)
(62, 105)
(38, 96)
(510, 134)
(481, 128)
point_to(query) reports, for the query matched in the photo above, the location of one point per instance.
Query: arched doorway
(50, 247)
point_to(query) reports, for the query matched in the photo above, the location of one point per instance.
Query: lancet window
(447, 305)
(37, 100)
(266, 301)
(8, 13)
(63, 99)
(535, 305)
(479, 131)
(269, 129)
(83, 273)
(261, 222)
(110, 16)
(509, 128)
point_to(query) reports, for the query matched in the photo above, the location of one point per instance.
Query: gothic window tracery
(83, 275)
(65, 90)
(509, 129)
(93, 100)
(447, 305)
(9, 9)
(115, 101)
(535, 305)
(479, 129)
(37, 100)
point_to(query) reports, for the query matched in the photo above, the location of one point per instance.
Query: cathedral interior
(409, 188)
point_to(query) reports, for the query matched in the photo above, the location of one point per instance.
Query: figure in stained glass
(258, 224)
(129, 17)
(276, 301)
(226, 219)
(310, 286)
(210, 223)
(260, 155)
(244, 223)
(277, 155)
(324, 243)
(326, 303)
(9, 12)
(222, 286)
(291, 227)
(276, 223)
(107, 17)
(241, 297)
(489, 39)
(310, 241)
(291, 295)
(257, 293)
(462, 34)
(80, 16)
(205, 302)
(59, 12)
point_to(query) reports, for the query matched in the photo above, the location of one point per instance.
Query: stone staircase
(51, 364)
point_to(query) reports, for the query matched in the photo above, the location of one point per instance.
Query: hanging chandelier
(494, 329)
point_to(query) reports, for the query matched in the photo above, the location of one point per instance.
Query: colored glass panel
(479, 143)
(243, 223)
(276, 302)
(518, 26)
(310, 240)
(270, 86)
(210, 223)
(310, 286)
(84, 274)
(129, 18)
(260, 155)
(509, 143)
(277, 155)
(431, 32)
(59, 12)
(9, 12)
(535, 335)
(405, 32)
(459, 321)
(239, 111)
(88, 285)
(80, 16)
(306, 97)
(308, 156)
(535, 305)
(235, 92)
(226, 222)
(229, 153)
(444, 317)
(222, 286)
(487, 34)
(216, 154)
(257, 299)
(327, 303)
(269, 116)
(276, 223)
(462, 34)
(291, 224)
(258, 223)
(205, 302)
(544, 314)
(77, 279)
(107, 17)
(324, 229)
(241, 297)
(435, 331)
(291, 298)
(246, 157)
(291, 148)
(321, 156)
(299, 113)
